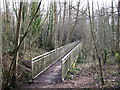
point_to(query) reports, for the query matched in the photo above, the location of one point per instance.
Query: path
(51, 76)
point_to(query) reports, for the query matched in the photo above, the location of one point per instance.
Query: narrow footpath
(50, 76)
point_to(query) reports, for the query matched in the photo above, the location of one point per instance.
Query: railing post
(32, 69)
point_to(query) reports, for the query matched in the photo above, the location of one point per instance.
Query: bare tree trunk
(14, 74)
(118, 30)
(13, 63)
(118, 41)
(97, 53)
(23, 24)
(76, 19)
(113, 35)
(63, 26)
(69, 24)
(109, 32)
(60, 23)
(55, 26)
(7, 21)
(0, 49)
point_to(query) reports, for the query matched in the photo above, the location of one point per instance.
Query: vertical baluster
(47, 61)
(71, 60)
(57, 53)
(40, 65)
(68, 62)
(35, 68)
(32, 69)
(52, 57)
(43, 64)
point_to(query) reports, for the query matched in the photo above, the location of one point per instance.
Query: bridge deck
(51, 76)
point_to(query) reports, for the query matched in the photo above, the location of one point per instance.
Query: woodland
(32, 28)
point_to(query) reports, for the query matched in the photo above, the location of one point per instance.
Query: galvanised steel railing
(44, 61)
(69, 59)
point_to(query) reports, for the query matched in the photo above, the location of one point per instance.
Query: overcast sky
(83, 3)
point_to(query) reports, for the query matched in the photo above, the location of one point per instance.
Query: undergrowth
(74, 70)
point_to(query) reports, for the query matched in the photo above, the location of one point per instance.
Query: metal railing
(69, 59)
(42, 62)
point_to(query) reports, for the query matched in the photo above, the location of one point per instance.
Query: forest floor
(24, 64)
(88, 77)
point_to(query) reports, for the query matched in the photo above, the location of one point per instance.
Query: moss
(74, 71)
(71, 72)
(69, 76)
(79, 61)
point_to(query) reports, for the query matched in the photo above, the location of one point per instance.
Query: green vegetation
(80, 60)
(72, 72)
(68, 77)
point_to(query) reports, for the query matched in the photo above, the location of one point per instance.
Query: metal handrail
(69, 59)
(42, 62)
(50, 51)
